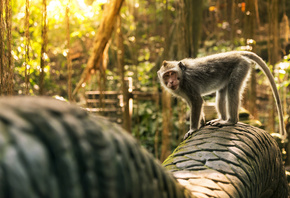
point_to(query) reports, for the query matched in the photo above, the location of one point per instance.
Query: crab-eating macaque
(225, 73)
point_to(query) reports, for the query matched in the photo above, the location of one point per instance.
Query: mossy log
(51, 149)
(231, 161)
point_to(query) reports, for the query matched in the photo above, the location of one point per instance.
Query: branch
(103, 36)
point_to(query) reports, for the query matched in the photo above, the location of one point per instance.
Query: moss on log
(230, 161)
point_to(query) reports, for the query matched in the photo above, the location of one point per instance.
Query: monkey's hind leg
(232, 96)
(220, 106)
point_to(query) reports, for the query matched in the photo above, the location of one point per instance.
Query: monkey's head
(170, 74)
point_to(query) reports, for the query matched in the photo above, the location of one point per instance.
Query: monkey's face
(169, 75)
(171, 80)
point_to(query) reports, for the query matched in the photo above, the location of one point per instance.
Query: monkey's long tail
(270, 77)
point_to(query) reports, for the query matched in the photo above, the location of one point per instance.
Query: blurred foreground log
(51, 149)
(233, 161)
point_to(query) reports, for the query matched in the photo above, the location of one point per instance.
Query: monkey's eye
(166, 75)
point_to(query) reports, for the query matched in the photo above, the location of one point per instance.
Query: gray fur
(226, 73)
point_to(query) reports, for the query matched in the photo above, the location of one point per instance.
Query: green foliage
(283, 71)
(146, 122)
(84, 20)
(144, 32)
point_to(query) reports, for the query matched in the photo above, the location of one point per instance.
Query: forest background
(83, 51)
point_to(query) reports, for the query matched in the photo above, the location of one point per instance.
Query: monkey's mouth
(174, 87)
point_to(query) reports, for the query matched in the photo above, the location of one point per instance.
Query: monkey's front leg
(195, 114)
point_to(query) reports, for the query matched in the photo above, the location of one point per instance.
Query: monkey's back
(212, 72)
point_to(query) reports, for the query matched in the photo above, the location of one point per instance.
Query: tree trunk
(273, 50)
(257, 14)
(101, 75)
(1, 49)
(166, 99)
(181, 53)
(104, 34)
(249, 33)
(166, 124)
(188, 32)
(124, 86)
(68, 58)
(43, 49)
(193, 25)
(6, 61)
(231, 18)
(27, 42)
(8, 18)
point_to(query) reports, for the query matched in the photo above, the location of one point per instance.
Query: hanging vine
(43, 48)
(1, 49)
(27, 41)
(8, 19)
(6, 79)
(69, 62)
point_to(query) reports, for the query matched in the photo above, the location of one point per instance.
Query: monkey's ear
(164, 63)
(181, 66)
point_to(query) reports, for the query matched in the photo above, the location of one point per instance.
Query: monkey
(224, 73)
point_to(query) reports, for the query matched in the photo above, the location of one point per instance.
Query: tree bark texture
(103, 36)
(193, 25)
(231, 19)
(166, 98)
(166, 124)
(9, 64)
(249, 33)
(68, 58)
(230, 161)
(27, 51)
(124, 86)
(6, 60)
(273, 50)
(43, 48)
(1, 49)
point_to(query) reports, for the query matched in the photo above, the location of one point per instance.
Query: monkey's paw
(219, 122)
(189, 133)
